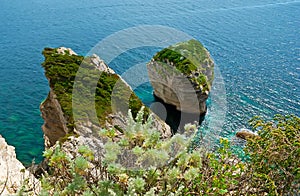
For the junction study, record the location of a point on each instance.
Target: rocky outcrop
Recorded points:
(182, 75)
(246, 134)
(57, 111)
(12, 171)
(64, 50)
(175, 89)
(100, 64)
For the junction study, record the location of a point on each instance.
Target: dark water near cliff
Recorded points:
(255, 44)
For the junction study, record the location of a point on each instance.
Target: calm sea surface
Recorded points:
(255, 44)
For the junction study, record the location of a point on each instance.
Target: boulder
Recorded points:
(245, 134)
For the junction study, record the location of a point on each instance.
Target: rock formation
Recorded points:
(12, 171)
(245, 134)
(61, 66)
(182, 75)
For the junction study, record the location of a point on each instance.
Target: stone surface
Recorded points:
(55, 124)
(12, 171)
(175, 89)
(64, 50)
(100, 64)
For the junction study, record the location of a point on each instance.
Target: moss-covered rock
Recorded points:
(61, 69)
(192, 59)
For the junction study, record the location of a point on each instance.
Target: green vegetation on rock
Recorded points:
(181, 63)
(191, 59)
(61, 70)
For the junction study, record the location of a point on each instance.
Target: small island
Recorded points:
(182, 75)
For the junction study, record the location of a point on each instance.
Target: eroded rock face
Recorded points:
(12, 171)
(182, 76)
(55, 124)
(100, 64)
(174, 88)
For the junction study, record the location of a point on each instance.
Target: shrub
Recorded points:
(140, 163)
(189, 57)
(275, 154)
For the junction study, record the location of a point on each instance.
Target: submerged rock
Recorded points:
(182, 75)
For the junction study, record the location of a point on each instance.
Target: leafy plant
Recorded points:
(140, 163)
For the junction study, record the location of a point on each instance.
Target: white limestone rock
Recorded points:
(13, 172)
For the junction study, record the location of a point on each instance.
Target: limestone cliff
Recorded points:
(62, 66)
(12, 171)
(182, 75)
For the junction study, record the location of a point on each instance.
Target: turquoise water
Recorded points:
(255, 44)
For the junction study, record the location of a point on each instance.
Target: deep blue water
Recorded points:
(255, 44)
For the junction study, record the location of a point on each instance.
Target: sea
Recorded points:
(255, 45)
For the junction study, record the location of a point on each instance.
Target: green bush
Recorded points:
(275, 154)
(140, 163)
(181, 63)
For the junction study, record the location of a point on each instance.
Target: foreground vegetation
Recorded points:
(172, 167)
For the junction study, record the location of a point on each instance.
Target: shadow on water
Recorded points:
(175, 118)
